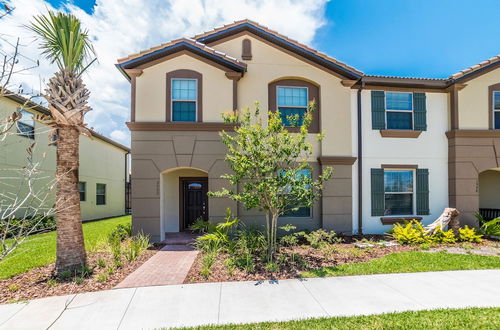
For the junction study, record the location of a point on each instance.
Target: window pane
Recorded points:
(184, 89)
(183, 111)
(497, 119)
(399, 120)
(100, 189)
(398, 181)
(398, 204)
(25, 130)
(496, 100)
(100, 200)
(82, 189)
(301, 212)
(398, 101)
(287, 116)
(292, 96)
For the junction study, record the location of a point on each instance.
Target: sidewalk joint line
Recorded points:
(20, 309)
(126, 309)
(315, 299)
(66, 304)
(220, 299)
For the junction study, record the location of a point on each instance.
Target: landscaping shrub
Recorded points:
(134, 246)
(467, 234)
(490, 228)
(289, 239)
(411, 232)
(201, 226)
(217, 239)
(120, 233)
(35, 224)
(319, 237)
(441, 236)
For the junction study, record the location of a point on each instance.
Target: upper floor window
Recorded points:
(398, 192)
(496, 110)
(399, 110)
(26, 125)
(184, 99)
(292, 105)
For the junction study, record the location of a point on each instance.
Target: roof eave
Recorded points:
(281, 42)
(406, 82)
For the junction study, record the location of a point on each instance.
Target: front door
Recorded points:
(193, 201)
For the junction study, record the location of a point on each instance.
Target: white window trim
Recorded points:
(105, 194)
(292, 106)
(414, 190)
(179, 100)
(493, 106)
(84, 191)
(404, 111)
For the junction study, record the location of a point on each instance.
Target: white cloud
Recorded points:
(122, 27)
(120, 136)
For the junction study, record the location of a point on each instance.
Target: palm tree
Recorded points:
(63, 42)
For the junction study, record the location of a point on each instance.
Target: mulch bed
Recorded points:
(40, 282)
(314, 259)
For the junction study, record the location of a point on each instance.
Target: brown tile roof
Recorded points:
(474, 68)
(275, 33)
(192, 42)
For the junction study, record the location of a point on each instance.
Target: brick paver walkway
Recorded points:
(170, 265)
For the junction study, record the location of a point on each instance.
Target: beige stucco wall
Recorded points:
(489, 189)
(473, 101)
(100, 162)
(269, 64)
(152, 84)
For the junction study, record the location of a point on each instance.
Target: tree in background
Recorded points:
(65, 43)
(270, 166)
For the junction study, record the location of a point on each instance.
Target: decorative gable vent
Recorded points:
(246, 53)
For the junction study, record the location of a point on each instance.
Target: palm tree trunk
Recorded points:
(70, 245)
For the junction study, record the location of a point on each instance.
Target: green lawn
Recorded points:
(40, 250)
(409, 262)
(470, 318)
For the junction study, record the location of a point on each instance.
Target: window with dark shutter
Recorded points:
(423, 191)
(378, 110)
(377, 186)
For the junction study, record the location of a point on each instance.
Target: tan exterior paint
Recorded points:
(269, 64)
(100, 162)
(473, 101)
(150, 100)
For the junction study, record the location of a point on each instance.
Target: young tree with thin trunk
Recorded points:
(65, 43)
(271, 170)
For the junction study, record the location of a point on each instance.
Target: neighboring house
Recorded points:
(102, 162)
(400, 147)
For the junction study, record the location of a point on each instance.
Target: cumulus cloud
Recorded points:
(122, 27)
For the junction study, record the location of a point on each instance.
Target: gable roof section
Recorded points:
(282, 41)
(476, 70)
(41, 109)
(191, 45)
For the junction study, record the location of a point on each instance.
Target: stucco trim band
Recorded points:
(336, 160)
(179, 126)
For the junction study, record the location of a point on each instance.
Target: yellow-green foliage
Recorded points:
(467, 234)
(441, 236)
(409, 233)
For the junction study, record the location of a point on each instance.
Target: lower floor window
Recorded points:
(301, 211)
(100, 191)
(82, 188)
(398, 192)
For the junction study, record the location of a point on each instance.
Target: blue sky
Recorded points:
(420, 38)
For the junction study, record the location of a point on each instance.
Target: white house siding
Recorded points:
(429, 151)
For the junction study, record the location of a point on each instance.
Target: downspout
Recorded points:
(127, 193)
(360, 162)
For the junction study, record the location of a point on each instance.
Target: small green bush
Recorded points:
(411, 232)
(78, 280)
(467, 234)
(101, 263)
(441, 236)
(52, 282)
(272, 267)
(490, 228)
(120, 233)
(319, 237)
(134, 246)
(217, 239)
(200, 225)
(102, 278)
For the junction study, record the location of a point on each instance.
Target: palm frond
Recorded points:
(63, 41)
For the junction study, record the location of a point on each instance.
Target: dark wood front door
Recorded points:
(193, 201)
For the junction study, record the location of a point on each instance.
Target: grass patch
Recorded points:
(469, 318)
(40, 250)
(409, 262)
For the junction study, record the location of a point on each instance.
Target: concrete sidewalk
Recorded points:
(243, 302)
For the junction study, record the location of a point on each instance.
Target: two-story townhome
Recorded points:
(385, 137)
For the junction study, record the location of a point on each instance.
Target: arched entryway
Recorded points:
(183, 198)
(489, 193)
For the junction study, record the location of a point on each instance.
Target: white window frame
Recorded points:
(180, 100)
(84, 191)
(32, 125)
(105, 194)
(292, 106)
(413, 192)
(493, 106)
(404, 111)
